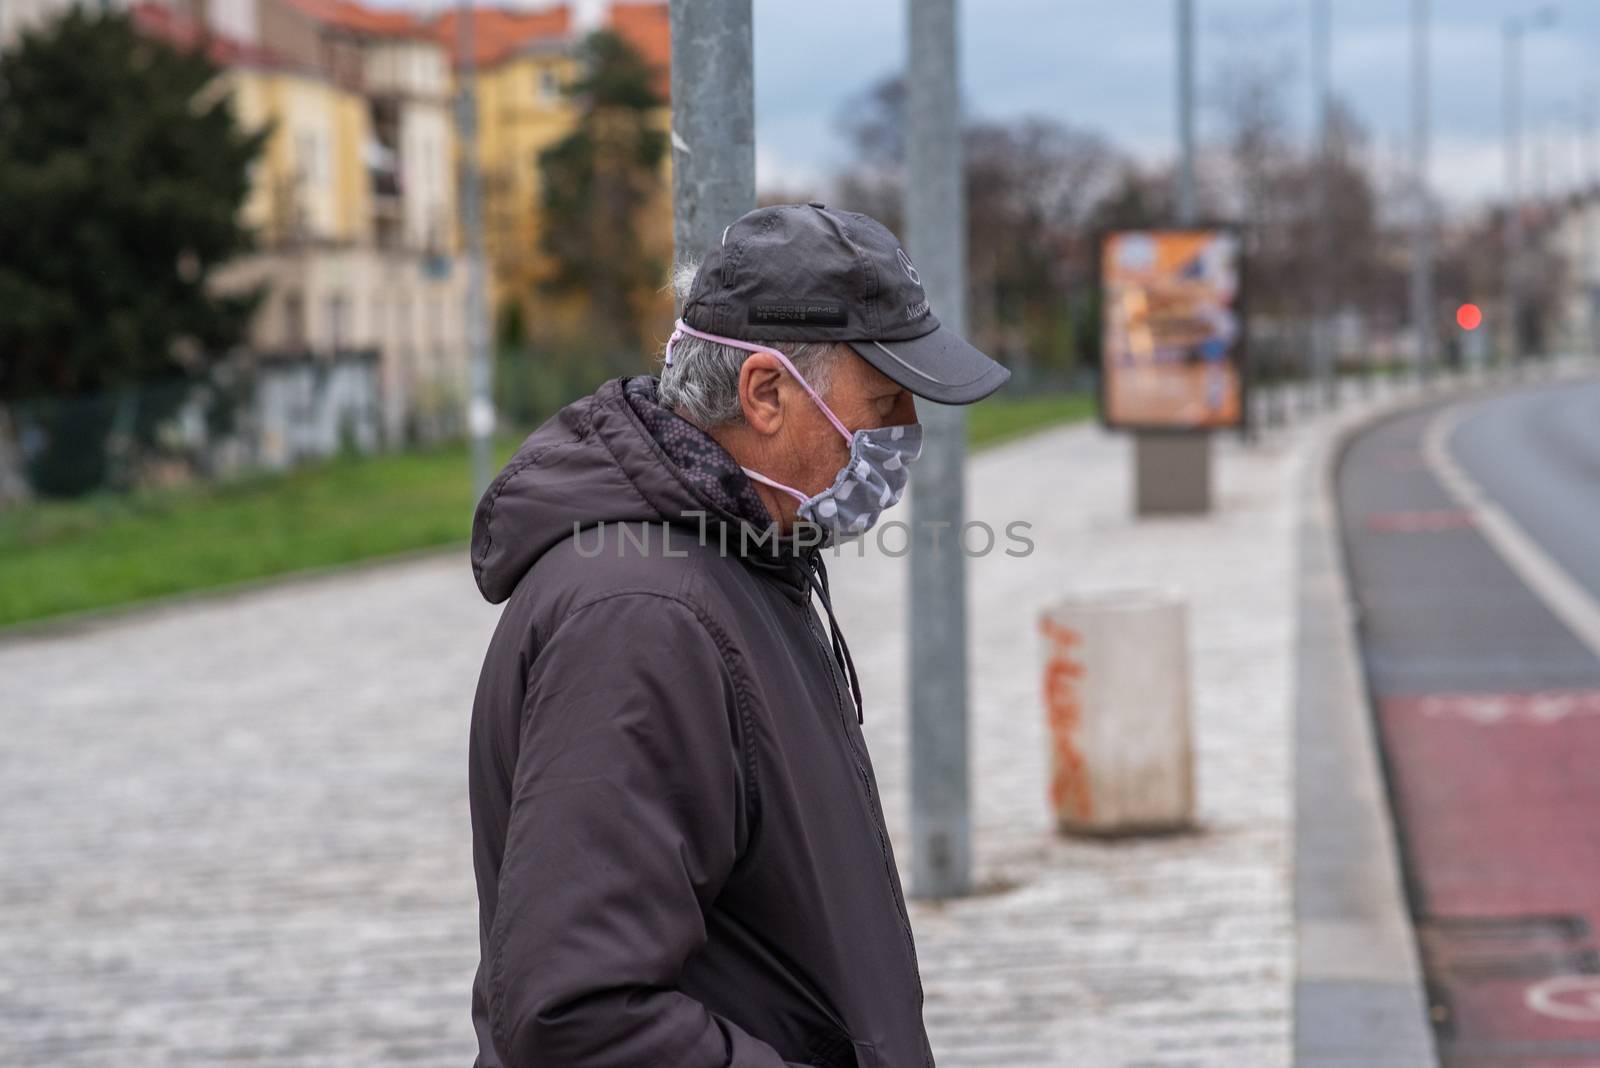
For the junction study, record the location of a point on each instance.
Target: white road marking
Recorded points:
(1542, 707)
(1560, 592)
(1567, 997)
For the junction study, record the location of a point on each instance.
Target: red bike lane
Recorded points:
(1488, 713)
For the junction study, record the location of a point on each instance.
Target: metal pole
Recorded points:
(480, 368)
(941, 858)
(1186, 112)
(1421, 222)
(1586, 207)
(1323, 369)
(1513, 221)
(1572, 114)
(1559, 126)
(1539, 134)
(713, 120)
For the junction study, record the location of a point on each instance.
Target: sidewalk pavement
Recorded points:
(235, 829)
(1168, 951)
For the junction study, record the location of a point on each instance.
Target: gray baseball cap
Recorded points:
(807, 273)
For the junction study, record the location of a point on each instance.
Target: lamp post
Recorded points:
(1323, 367)
(1570, 189)
(1586, 209)
(941, 801)
(1185, 28)
(713, 120)
(480, 371)
(1514, 30)
(1421, 222)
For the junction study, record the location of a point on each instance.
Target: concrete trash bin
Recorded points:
(1116, 694)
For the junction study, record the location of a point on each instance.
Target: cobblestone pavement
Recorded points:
(234, 831)
(1163, 951)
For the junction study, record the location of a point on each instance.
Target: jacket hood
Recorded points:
(597, 461)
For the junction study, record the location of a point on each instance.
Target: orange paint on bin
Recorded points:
(1057, 633)
(1069, 782)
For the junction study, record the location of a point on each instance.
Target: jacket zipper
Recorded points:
(872, 798)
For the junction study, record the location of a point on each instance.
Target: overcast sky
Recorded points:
(1107, 65)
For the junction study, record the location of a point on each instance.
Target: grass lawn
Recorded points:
(59, 557)
(1000, 419)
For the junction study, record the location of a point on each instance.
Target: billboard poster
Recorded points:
(1172, 351)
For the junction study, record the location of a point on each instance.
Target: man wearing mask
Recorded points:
(677, 835)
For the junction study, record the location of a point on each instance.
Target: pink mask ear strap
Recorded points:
(790, 490)
(681, 327)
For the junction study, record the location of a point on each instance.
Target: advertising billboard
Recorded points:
(1172, 338)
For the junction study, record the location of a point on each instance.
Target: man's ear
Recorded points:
(760, 392)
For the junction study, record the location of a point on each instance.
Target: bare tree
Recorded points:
(873, 123)
(1261, 183)
(1314, 237)
(1032, 185)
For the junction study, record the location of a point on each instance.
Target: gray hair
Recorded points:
(702, 383)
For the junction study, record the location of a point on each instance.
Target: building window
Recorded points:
(402, 324)
(338, 321)
(294, 321)
(549, 85)
(310, 157)
(380, 322)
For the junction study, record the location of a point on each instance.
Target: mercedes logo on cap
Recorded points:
(905, 262)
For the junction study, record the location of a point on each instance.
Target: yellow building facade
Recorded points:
(523, 110)
(353, 202)
(525, 62)
(310, 182)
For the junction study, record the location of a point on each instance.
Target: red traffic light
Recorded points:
(1469, 316)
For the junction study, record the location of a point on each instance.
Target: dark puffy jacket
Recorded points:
(679, 847)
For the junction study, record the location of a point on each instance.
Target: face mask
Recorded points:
(872, 480)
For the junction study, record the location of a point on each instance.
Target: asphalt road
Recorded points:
(1472, 534)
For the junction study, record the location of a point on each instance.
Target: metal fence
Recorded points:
(261, 413)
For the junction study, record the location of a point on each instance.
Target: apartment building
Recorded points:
(524, 62)
(354, 199)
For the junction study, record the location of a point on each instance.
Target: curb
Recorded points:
(1358, 991)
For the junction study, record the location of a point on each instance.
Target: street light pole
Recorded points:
(1323, 368)
(941, 850)
(1538, 135)
(713, 120)
(480, 404)
(1421, 223)
(1185, 29)
(1513, 219)
(1586, 208)
(1515, 30)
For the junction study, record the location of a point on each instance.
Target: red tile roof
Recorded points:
(360, 19)
(500, 32)
(178, 29)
